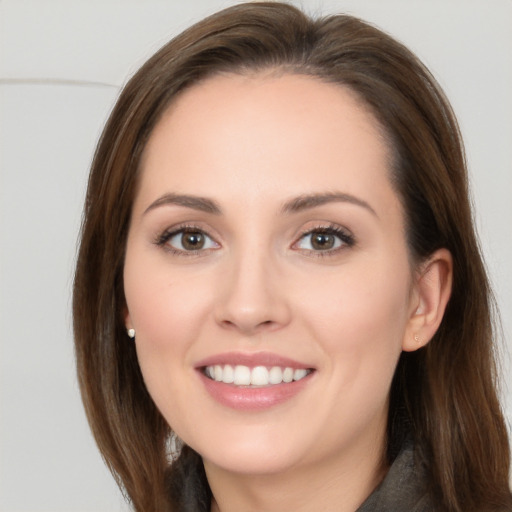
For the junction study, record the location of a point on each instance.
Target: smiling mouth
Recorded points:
(258, 376)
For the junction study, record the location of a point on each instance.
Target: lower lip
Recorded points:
(253, 399)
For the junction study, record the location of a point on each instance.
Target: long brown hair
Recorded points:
(443, 395)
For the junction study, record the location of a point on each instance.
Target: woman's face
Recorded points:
(266, 245)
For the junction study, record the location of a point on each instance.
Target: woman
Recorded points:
(279, 299)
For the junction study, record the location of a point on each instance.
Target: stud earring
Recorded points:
(131, 333)
(417, 338)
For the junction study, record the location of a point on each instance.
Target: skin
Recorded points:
(252, 144)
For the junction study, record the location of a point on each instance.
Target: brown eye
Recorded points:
(322, 241)
(192, 241)
(188, 240)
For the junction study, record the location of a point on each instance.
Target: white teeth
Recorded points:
(299, 374)
(275, 375)
(288, 375)
(242, 375)
(228, 375)
(259, 376)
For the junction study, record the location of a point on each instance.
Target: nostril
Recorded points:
(247, 326)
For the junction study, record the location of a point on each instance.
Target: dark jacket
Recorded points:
(403, 489)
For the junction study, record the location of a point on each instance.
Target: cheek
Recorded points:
(167, 312)
(163, 305)
(360, 319)
(167, 309)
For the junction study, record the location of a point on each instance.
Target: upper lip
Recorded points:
(252, 360)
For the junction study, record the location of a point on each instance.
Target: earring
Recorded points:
(131, 333)
(417, 338)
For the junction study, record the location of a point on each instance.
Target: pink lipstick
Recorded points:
(253, 381)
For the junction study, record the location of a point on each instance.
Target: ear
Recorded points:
(431, 291)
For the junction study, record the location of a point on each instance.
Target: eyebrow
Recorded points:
(295, 205)
(308, 201)
(202, 204)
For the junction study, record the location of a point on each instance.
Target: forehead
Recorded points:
(299, 131)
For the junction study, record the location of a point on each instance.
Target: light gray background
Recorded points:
(61, 64)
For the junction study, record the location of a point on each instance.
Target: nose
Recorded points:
(253, 295)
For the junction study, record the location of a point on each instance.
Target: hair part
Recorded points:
(444, 395)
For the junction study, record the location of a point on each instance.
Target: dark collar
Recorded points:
(403, 489)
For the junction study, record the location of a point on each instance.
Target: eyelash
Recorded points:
(346, 238)
(168, 234)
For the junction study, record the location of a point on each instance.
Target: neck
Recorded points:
(335, 485)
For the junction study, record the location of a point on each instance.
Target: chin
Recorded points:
(249, 454)
(251, 462)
